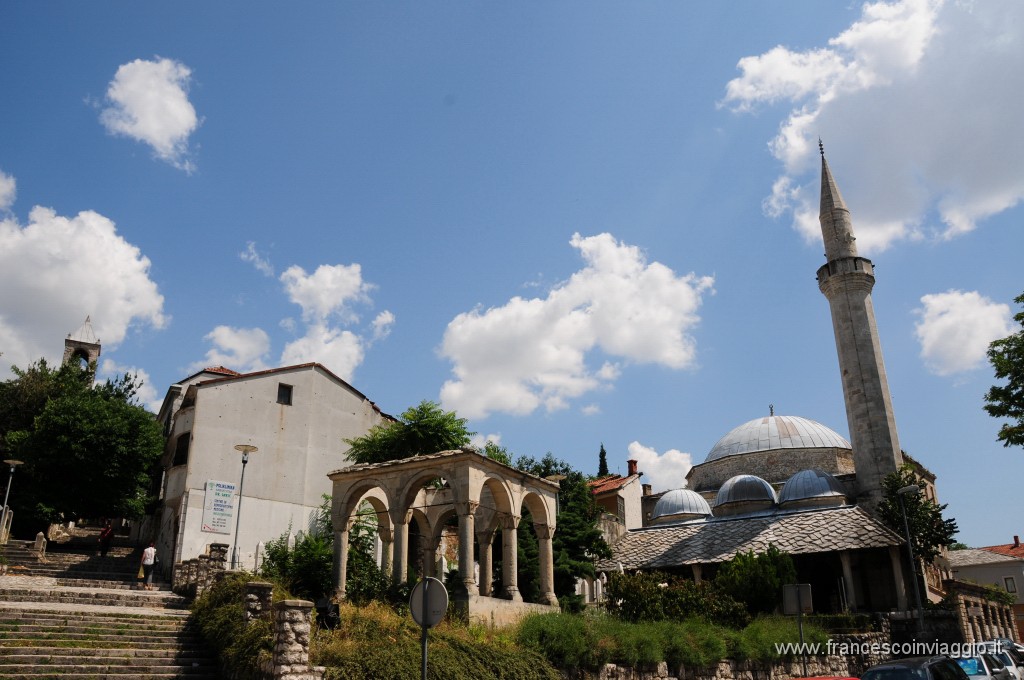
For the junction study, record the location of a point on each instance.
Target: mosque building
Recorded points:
(793, 482)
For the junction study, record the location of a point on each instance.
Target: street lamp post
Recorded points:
(10, 477)
(246, 449)
(912, 489)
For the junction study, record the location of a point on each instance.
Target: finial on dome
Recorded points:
(771, 409)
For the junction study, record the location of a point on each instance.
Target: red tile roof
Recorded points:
(1015, 549)
(609, 483)
(221, 370)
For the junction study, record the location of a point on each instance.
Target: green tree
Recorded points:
(756, 580)
(422, 429)
(602, 462)
(929, 531)
(498, 453)
(89, 450)
(578, 541)
(1007, 401)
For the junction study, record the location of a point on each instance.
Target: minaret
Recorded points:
(82, 345)
(846, 280)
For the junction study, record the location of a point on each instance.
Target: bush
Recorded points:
(219, 614)
(757, 642)
(376, 643)
(757, 580)
(656, 597)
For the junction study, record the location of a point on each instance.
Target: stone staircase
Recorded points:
(73, 614)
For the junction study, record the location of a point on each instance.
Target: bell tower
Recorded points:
(846, 281)
(82, 345)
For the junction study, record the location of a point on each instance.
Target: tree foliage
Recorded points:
(422, 429)
(89, 450)
(929, 532)
(756, 580)
(654, 596)
(1007, 401)
(578, 541)
(602, 462)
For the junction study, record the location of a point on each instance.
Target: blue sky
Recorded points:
(574, 223)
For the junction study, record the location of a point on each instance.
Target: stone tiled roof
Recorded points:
(1015, 549)
(973, 556)
(717, 540)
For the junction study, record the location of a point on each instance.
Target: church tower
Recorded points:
(82, 345)
(846, 280)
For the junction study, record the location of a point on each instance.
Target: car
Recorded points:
(917, 668)
(1010, 657)
(1007, 643)
(985, 665)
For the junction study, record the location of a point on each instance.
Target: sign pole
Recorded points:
(423, 635)
(800, 625)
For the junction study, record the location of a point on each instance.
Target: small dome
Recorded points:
(744, 493)
(680, 504)
(812, 487)
(776, 432)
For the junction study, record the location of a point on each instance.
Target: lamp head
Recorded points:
(246, 449)
(911, 489)
(13, 463)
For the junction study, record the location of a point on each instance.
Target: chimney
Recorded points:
(632, 466)
(1016, 541)
(646, 488)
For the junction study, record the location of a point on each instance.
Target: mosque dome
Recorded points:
(744, 493)
(776, 432)
(680, 504)
(811, 488)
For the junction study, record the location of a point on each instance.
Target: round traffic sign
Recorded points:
(428, 602)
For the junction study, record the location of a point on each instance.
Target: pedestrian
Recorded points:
(148, 561)
(106, 537)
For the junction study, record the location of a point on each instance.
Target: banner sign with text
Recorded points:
(219, 508)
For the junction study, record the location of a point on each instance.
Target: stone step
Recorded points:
(86, 596)
(88, 619)
(14, 671)
(44, 673)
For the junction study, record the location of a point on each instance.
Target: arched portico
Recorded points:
(484, 494)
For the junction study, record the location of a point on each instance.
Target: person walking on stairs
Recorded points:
(106, 537)
(148, 560)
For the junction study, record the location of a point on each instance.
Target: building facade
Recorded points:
(298, 417)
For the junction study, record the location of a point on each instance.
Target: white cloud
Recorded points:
(8, 190)
(532, 353)
(146, 395)
(917, 102)
(339, 350)
(330, 290)
(240, 349)
(261, 263)
(327, 298)
(148, 102)
(478, 441)
(591, 410)
(956, 327)
(54, 271)
(662, 471)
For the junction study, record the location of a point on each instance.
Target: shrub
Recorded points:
(376, 643)
(756, 580)
(219, 614)
(758, 641)
(655, 597)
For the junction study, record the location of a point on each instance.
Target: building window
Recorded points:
(181, 449)
(1011, 585)
(621, 507)
(284, 394)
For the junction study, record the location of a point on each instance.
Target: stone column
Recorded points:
(851, 589)
(484, 539)
(257, 596)
(219, 556)
(545, 533)
(292, 623)
(400, 550)
(897, 575)
(698, 572)
(387, 542)
(465, 511)
(510, 557)
(340, 562)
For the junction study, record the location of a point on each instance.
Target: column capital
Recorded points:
(399, 516)
(463, 508)
(508, 521)
(544, 531)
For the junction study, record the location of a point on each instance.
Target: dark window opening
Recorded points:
(284, 394)
(181, 449)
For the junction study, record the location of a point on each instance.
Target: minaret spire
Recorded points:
(847, 280)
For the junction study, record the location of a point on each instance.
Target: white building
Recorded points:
(297, 416)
